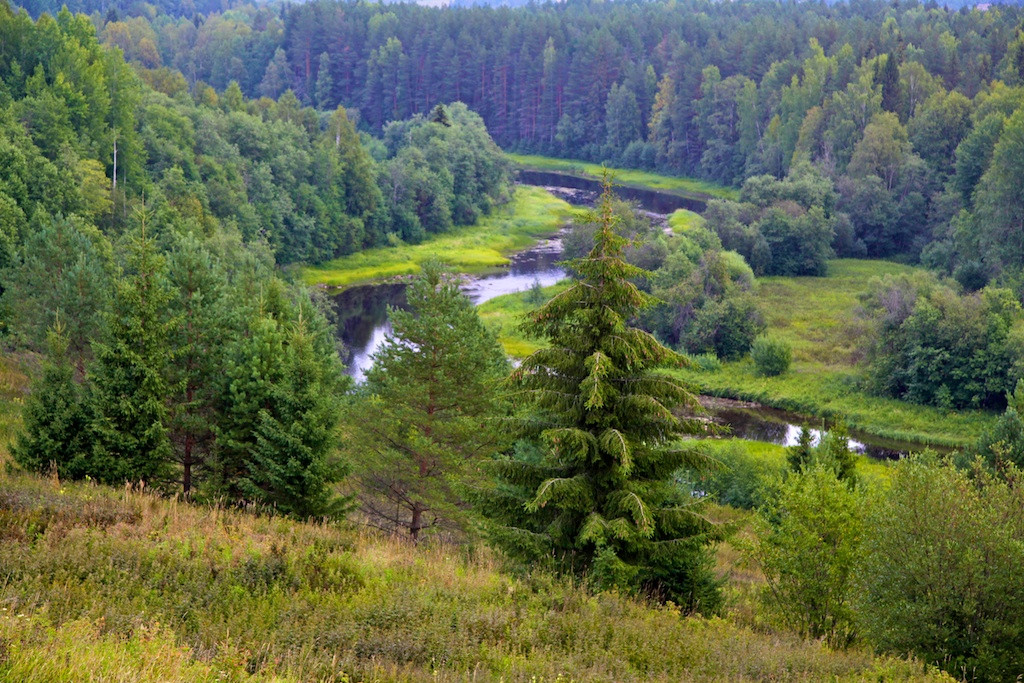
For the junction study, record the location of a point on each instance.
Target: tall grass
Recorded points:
(111, 585)
(13, 388)
(625, 176)
(532, 213)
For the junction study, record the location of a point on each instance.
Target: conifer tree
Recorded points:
(440, 115)
(889, 79)
(324, 83)
(598, 496)
(292, 462)
(800, 454)
(128, 390)
(426, 420)
(277, 429)
(55, 418)
(198, 283)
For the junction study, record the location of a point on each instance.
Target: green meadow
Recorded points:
(818, 317)
(532, 213)
(624, 176)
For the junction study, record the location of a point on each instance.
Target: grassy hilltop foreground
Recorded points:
(101, 584)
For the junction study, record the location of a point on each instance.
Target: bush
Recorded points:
(705, 362)
(935, 347)
(771, 356)
(808, 542)
(940, 571)
(743, 477)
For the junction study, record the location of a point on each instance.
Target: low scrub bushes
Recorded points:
(771, 356)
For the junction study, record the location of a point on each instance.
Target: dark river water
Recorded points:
(761, 423)
(363, 311)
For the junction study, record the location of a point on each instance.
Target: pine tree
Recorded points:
(598, 494)
(128, 390)
(440, 115)
(889, 79)
(55, 418)
(324, 83)
(252, 368)
(799, 456)
(427, 418)
(292, 462)
(197, 339)
(277, 423)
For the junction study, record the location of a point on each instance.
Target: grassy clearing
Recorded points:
(532, 213)
(817, 316)
(628, 176)
(103, 584)
(503, 315)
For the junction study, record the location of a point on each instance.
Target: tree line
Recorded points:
(908, 109)
(84, 134)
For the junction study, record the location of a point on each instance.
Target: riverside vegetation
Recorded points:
(194, 489)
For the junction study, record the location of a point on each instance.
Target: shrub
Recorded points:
(743, 477)
(940, 571)
(705, 362)
(809, 536)
(771, 356)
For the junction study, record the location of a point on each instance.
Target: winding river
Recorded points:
(362, 314)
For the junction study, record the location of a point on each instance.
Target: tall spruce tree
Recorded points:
(597, 493)
(128, 389)
(56, 421)
(426, 421)
(324, 83)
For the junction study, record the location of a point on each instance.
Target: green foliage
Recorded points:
(199, 286)
(56, 421)
(127, 382)
(64, 266)
(807, 548)
(744, 476)
(1002, 446)
(596, 496)
(939, 348)
(276, 426)
(940, 570)
(780, 227)
(429, 413)
(771, 356)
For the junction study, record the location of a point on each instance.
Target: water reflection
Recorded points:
(783, 428)
(363, 311)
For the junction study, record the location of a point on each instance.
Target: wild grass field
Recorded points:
(105, 584)
(532, 213)
(624, 176)
(817, 317)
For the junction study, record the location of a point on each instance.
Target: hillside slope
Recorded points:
(110, 585)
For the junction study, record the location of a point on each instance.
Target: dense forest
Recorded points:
(904, 107)
(193, 479)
